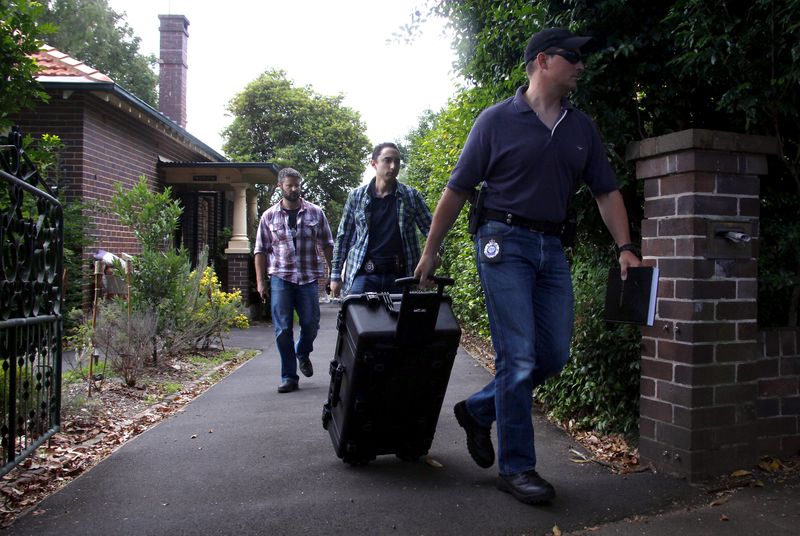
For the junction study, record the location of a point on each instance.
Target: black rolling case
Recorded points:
(390, 371)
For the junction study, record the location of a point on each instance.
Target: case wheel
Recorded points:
(356, 461)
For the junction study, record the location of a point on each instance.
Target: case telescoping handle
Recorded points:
(338, 374)
(441, 282)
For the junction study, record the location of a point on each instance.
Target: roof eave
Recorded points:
(82, 85)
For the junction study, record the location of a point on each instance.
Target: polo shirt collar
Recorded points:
(521, 105)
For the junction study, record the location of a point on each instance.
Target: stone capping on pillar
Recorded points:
(712, 140)
(699, 369)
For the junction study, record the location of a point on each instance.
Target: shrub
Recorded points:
(81, 341)
(127, 339)
(599, 387)
(219, 311)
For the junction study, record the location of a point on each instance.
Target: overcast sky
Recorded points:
(336, 46)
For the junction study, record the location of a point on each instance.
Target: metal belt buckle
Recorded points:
(369, 267)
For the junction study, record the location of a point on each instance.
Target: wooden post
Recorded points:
(98, 275)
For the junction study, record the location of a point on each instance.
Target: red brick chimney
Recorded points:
(173, 67)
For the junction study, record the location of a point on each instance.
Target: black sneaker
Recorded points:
(527, 487)
(479, 439)
(304, 363)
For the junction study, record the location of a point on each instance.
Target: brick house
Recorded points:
(112, 136)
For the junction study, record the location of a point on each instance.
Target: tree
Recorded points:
(294, 126)
(19, 38)
(92, 32)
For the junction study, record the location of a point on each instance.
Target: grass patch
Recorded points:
(171, 387)
(77, 375)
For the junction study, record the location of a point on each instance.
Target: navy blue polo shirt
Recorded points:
(530, 171)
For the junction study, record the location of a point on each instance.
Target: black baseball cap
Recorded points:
(557, 38)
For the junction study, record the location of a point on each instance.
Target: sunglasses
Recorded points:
(572, 56)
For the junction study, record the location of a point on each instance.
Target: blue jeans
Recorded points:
(529, 302)
(374, 283)
(286, 298)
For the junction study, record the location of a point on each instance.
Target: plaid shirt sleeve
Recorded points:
(344, 237)
(263, 237)
(422, 214)
(325, 238)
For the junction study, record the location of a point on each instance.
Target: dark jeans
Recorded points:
(286, 298)
(529, 302)
(364, 282)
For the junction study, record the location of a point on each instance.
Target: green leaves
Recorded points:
(20, 36)
(152, 216)
(294, 126)
(92, 32)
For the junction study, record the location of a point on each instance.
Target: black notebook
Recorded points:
(632, 301)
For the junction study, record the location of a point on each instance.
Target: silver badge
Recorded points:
(369, 267)
(491, 249)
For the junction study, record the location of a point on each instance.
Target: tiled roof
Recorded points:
(55, 64)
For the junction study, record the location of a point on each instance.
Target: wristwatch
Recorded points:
(629, 247)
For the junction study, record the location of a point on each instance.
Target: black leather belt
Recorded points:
(391, 267)
(545, 227)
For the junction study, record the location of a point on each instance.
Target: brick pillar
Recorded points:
(239, 274)
(699, 360)
(173, 67)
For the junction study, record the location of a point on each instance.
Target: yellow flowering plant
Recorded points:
(218, 310)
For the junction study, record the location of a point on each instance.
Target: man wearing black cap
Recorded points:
(531, 150)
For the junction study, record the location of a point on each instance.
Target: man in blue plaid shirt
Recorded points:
(377, 234)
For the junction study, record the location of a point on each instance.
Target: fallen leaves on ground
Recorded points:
(612, 451)
(769, 469)
(114, 414)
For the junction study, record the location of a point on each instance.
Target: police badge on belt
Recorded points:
(491, 248)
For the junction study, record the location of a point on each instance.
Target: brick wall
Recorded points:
(103, 145)
(173, 67)
(239, 270)
(778, 400)
(700, 365)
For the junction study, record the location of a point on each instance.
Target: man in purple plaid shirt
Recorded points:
(290, 235)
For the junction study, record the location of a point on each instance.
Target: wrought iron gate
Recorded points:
(32, 237)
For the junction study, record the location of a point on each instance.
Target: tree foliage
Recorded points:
(20, 37)
(92, 32)
(273, 120)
